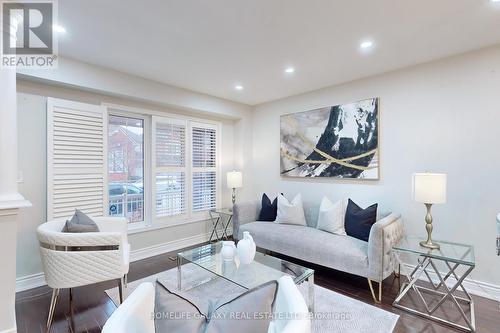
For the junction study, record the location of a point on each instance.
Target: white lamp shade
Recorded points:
(429, 187)
(234, 179)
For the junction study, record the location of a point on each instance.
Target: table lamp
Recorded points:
(234, 181)
(429, 188)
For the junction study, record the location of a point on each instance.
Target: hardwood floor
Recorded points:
(91, 306)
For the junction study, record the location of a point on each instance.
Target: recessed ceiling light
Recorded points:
(495, 0)
(289, 70)
(58, 28)
(238, 87)
(367, 44)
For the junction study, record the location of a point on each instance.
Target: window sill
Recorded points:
(142, 227)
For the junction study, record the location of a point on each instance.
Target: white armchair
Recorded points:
(72, 260)
(135, 314)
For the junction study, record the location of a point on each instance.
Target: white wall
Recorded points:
(32, 163)
(442, 116)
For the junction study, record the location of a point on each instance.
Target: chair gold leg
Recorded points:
(53, 302)
(120, 290)
(375, 299)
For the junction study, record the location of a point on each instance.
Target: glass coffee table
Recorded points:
(263, 269)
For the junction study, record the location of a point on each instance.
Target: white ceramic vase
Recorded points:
(246, 248)
(228, 250)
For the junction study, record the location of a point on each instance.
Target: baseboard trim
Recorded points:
(38, 280)
(474, 287)
(29, 282)
(10, 330)
(158, 249)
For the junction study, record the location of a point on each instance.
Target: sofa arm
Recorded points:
(384, 234)
(136, 314)
(291, 314)
(244, 212)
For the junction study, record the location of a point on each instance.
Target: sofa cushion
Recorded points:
(331, 217)
(268, 209)
(174, 312)
(359, 221)
(343, 253)
(249, 312)
(80, 222)
(290, 212)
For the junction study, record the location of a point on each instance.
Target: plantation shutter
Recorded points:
(204, 167)
(76, 158)
(170, 167)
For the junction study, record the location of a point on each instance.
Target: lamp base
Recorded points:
(428, 226)
(430, 245)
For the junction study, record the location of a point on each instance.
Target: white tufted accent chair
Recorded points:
(72, 260)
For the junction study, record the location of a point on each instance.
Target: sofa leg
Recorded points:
(375, 299)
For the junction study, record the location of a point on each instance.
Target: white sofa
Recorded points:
(135, 314)
(373, 260)
(71, 260)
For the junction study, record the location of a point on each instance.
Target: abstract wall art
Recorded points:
(339, 141)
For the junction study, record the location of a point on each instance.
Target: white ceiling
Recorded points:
(210, 46)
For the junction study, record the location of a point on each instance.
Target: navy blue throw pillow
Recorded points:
(359, 221)
(268, 210)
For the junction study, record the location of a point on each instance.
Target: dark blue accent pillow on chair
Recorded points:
(268, 210)
(359, 221)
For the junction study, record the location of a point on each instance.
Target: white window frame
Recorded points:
(171, 220)
(218, 189)
(151, 222)
(123, 112)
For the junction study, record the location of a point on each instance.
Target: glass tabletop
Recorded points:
(448, 251)
(263, 269)
(226, 211)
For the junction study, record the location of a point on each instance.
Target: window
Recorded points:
(204, 143)
(126, 167)
(185, 153)
(171, 168)
(155, 171)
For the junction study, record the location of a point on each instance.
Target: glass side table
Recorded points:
(439, 275)
(220, 218)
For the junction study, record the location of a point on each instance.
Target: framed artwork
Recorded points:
(339, 141)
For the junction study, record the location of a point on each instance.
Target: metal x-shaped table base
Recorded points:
(216, 218)
(423, 267)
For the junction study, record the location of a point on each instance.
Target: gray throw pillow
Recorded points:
(248, 313)
(175, 313)
(80, 223)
